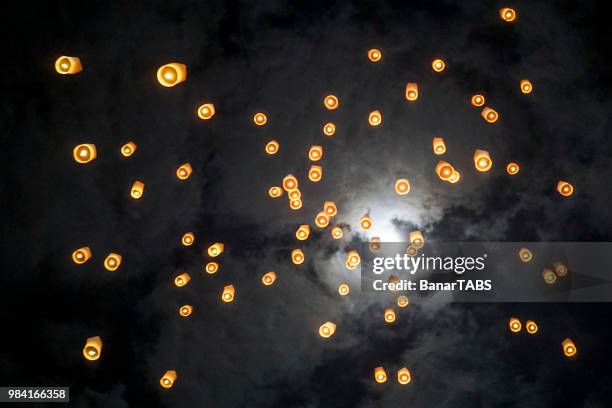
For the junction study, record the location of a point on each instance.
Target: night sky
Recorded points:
(282, 58)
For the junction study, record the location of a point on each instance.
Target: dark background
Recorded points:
(282, 58)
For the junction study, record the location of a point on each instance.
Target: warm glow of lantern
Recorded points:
(411, 250)
(402, 186)
(93, 348)
(188, 238)
(560, 269)
(275, 192)
(322, 219)
(549, 276)
(128, 149)
(260, 119)
(329, 129)
(228, 293)
(507, 14)
(439, 147)
(344, 289)
(303, 232)
(512, 168)
(272, 147)
(315, 173)
(295, 204)
(374, 244)
(331, 102)
(531, 327)
(112, 261)
(182, 279)
(84, 153)
(137, 190)
(297, 256)
(438, 65)
(525, 255)
(526, 86)
(444, 170)
(269, 278)
(184, 171)
(211, 267)
(416, 239)
(403, 376)
(402, 301)
(352, 259)
(490, 115)
(336, 233)
(68, 65)
(330, 208)
(215, 249)
(290, 182)
(81, 255)
(478, 100)
(482, 160)
(172, 74)
(565, 188)
(168, 379)
(515, 325)
(569, 348)
(327, 329)
(455, 177)
(365, 223)
(375, 118)
(185, 310)
(315, 153)
(380, 375)
(374, 55)
(206, 111)
(412, 91)
(389, 315)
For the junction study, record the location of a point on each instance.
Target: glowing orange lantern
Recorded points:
(482, 160)
(403, 376)
(375, 118)
(185, 310)
(84, 153)
(168, 379)
(327, 330)
(269, 278)
(560, 269)
(260, 119)
(315, 153)
(295, 204)
(526, 86)
(272, 147)
(275, 192)
(137, 190)
(412, 91)
(515, 325)
(303, 232)
(329, 129)
(490, 115)
(182, 279)
(81, 255)
(68, 65)
(228, 293)
(365, 223)
(128, 149)
(438, 65)
(402, 301)
(215, 249)
(565, 188)
(297, 256)
(549, 276)
(380, 375)
(569, 348)
(331, 102)
(455, 177)
(290, 183)
(322, 219)
(171, 74)
(184, 171)
(444, 170)
(416, 239)
(294, 195)
(438, 145)
(374, 244)
(507, 14)
(93, 348)
(389, 315)
(206, 111)
(211, 267)
(336, 233)
(374, 55)
(330, 208)
(402, 186)
(112, 261)
(531, 327)
(315, 173)
(477, 100)
(525, 255)
(352, 259)
(344, 289)
(188, 238)
(512, 168)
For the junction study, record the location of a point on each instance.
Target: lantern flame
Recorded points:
(171, 74)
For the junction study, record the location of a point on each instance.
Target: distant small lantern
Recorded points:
(482, 160)
(272, 147)
(403, 376)
(322, 219)
(260, 119)
(411, 250)
(182, 279)
(374, 55)
(93, 348)
(84, 153)
(295, 204)
(444, 170)
(531, 327)
(412, 91)
(365, 223)
(525, 255)
(65, 65)
(290, 182)
(172, 74)
(215, 249)
(188, 238)
(211, 267)
(389, 315)
(438, 65)
(168, 379)
(206, 111)
(380, 375)
(416, 239)
(315, 173)
(477, 100)
(303, 232)
(228, 293)
(275, 192)
(374, 244)
(297, 256)
(315, 153)
(402, 186)
(329, 129)
(269, 278)
(81, 255)
(512, 168)
(549, 276)
(112, 261)
(507, 14)
(455, 177)
(526, 86)
(185, 310)
(569, 348)
(515, 325)
(565, 188)
(184, 171)
(439, 147)
(344, 289)
(327, 330)
(352, 259)
(490, 115)
(402, 301)
(336, 233)
(295, 194)
(375, 118)
(330, 208)
(128, 149)
(331, 102)
(560, 269)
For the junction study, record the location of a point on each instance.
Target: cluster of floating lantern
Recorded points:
(559, 270)
(111, 262)
(403, 375)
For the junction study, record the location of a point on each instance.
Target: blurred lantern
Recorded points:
(549, 276)
(182, 279)
(211, 267)
(84, 153)
(228, 293)
(315, 153)
(402, 301)
(315, 173)
(269, 278)
(512, 168)
(416, 239)
(560, 269)
(490, 115)
(393, 279)
(389, 315)
(438, 65)
(297, 256)
(336, 233)
(128, 149)
(374, 244)
(81, 255)
(294, 195)
(374, 55)
(327, 329)
(411, 250)
(444, 170)
(302, 232)
(352, 259)
(112, 261)
(531, 327)
(365, 223)
(507, 14)
(526, 86)
(68, 65)
(331, 102)
(260, 119)
(185, 310)
(290, 182)
(569, 348)
(172, 74)
(455, 177)
(168, 379)
(93, 348)
(375, 118)
(438, 145)
(330, 208)
(412, 91)
(272, 147)
(329, 129)
(343, 289)
(565, 188)
(403, 376)
(478, 100)
(184, 171)
(380, 375)
(215, 249)
(322, 220)
(525, 255)
(482, 160)
(402, 186)
(188, 238)
(515, 325)
(295, 204)
(206, 111)
(275, 192)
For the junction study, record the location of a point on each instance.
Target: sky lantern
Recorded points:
(315, 173)
(531, 327)
(168, 379)
(329, 129)
(187, 239)
(172, 74)
(526, 86)
(374, 244)
(331, 102)
(322, 219)
(93, 348)
(565, 188)
(444, 170)
(380, 375)
(515, 325)
(295, 204)
(137, 190)
(297, 256)
(112, 261)
(438, 65)
(374, 55)
(416, 239)
(185, 310)
(184, 171)
(525, 255)
(211, 267)
(403, 376)
(512, 168)
(128, 149)
(84, 153)
(393, 279)
(352, 259)
(477, 100)
(303, 232)
(375, 118)
(315, 153)
(455, 177)
(336, 233)
(275, 192)
(389, 315)
(507, 14)
(260, 119)
(206, 111)
(295, 194)
(182, 279)
(65, 65)
(569, 348)
(268, 278)
(81, 255)
(411, 250)
(402, 301)
(490, 115)
(228, 293)
(344, 289)
(272, 147)
(290, 182)
(327, 330)
(439, 147)
(330, 208)
(560, 269)
(215, 249)
(549, 276)
(402, 186)
(365, 223)
(482, 160)
(412, 91)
